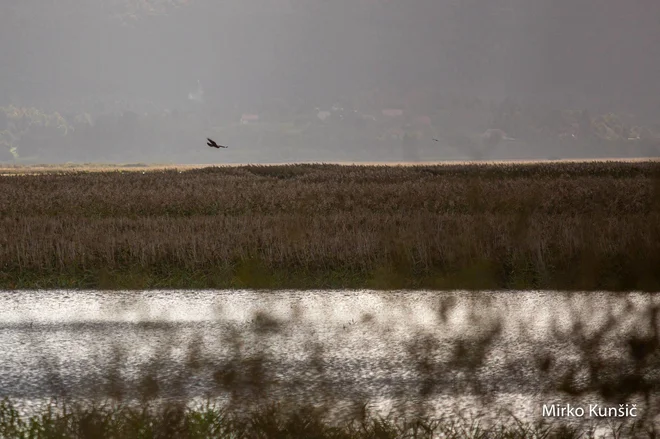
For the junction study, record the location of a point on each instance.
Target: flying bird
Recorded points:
(212, 144)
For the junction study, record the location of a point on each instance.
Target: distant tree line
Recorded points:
(28, 133)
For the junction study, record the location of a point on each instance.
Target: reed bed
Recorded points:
(587, 226)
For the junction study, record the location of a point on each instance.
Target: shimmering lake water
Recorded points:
(494, 353)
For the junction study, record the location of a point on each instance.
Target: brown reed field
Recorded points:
(568, 226)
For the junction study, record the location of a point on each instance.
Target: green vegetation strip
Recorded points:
(570, 226)
(119, 421)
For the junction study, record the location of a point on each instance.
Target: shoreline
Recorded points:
(6, 170)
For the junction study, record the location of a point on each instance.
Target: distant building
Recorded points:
(249, 118)
(197, 95)
(422, 121)
(395, 133)
(392, 112)
(323, 115)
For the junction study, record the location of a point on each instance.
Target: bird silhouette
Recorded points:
(212, 144)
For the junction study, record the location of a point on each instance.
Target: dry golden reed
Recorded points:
(562, 225)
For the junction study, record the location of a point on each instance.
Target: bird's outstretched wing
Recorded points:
(212, 144)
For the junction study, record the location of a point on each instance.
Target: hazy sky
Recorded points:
(266, 55)
(313, 50)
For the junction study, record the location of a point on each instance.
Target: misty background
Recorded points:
(305, 80)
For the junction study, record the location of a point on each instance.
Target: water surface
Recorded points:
(406, 350)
